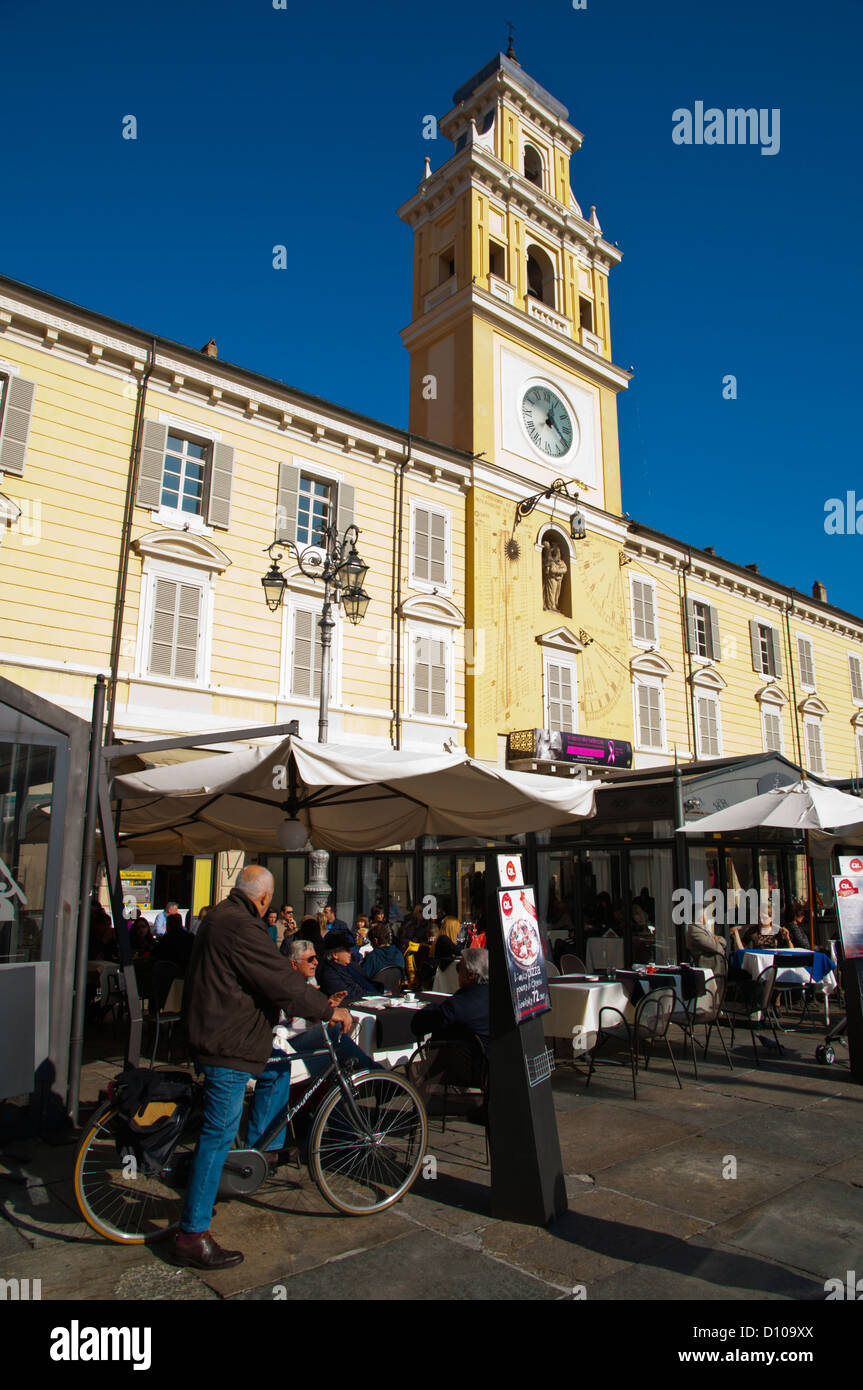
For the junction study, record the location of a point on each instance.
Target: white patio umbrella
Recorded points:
(343, 798)
(803, 805)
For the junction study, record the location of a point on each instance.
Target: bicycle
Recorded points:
(367, 1143)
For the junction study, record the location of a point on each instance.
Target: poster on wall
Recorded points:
(137, 887)
(525, 959)
(509, 870)
(851, 864)
(848, 890)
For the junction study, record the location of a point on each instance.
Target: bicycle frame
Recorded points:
(285, 1117)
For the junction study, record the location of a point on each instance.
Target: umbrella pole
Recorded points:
(810, 879)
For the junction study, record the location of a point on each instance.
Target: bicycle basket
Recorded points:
(155, 1106)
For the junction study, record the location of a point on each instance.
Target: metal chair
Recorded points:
(753, 1005)
(787, 989)
(652, 1017)
(162, 976)
(390, 977)
(551, 970)
(448, 1063)
(704, 1010)
(572, 965)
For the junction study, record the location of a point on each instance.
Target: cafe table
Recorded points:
(822, 974)
(575, 1008)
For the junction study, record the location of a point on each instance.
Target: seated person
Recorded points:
(701, 942)
(445, 945)
(383, 952)
(338, 974)
(141, 938)
(176, 945)
(271, 922)
(797, 928)
(361, 932)
(456, 1020)
(763, 934)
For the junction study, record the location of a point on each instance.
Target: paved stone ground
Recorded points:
(651, 1215)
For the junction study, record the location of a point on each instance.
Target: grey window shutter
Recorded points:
(221, 478)
(345, 505)
(152, 465)
(422, 675)
(162, 639)
(691, 636)
(856, 668)
(643, 611)
(421, 543)
(437, 549)
(776, 648)
(755, 640)
(186, 632)
(286, 506)
(715, 641)
(15, 425)
(438, 680)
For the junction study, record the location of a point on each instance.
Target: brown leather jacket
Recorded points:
(236, 982)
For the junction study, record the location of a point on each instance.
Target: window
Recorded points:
(708, 731)
(533, 165)
(446, 265)
(650, 714)
(585, 313)
(175, 629)
(540, 276)
(430, 546)
(702, 629)
(644, 625)
(429, 675)
(306, 653)
(497, 260)
(183, 475)
(855, 665)
(771, 728)
(186, 474)
(814, 745)
(561, 699)
(806, 662)
(766, 653)
(314, 510)
(16, 411)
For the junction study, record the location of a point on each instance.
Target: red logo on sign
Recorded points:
(510, 870)
(506, 903)
(846, 887)
(856, 865)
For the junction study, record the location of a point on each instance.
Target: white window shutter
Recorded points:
(715, 640)
(422, 675)
(186, 632)
(814, 747)
(772, 732)
(856, 667)
(162, 639)
(345, 508)
(755, 642)
(438, 680)
(806, 662)
(306, 655)
(643, 611)
(561, 714)
(174, 640)
(286, 504)
(708, 726)
(15, 424)
(437, 549)
(422, 543)
(776, 648)
(649, 716)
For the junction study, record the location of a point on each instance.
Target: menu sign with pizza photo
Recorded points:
(525, 958)
(848, 889)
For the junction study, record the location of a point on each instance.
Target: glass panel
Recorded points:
(401, 878)
(437, 880)
(471, 888)
(26, 798)
(346, 888)
(372, 887)
(651, 879)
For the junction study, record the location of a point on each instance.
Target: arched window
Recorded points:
(540, 276)
(533, 165)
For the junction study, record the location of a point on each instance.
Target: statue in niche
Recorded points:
(554, 569)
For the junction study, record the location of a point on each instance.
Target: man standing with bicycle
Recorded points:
(236, 983)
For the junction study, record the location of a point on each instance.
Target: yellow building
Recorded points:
(645, 639)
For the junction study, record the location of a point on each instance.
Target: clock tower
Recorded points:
(510, 351)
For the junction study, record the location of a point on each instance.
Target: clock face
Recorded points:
(547, 422)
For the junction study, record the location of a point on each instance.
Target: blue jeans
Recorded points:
(224, 1092)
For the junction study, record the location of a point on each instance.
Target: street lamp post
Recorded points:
(338, 564)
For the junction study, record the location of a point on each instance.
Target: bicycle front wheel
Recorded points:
(123, 1204)
(367, 1169)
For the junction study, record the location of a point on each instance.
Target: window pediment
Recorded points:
(650, 664)
(771, 695)
(812, 705)
(708, 678)
(857, 719)
(562, 640)
(182, 546)
(432, 608)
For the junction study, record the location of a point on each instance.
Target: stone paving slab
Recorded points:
(706, 1271)
(85, 1270)
(850, 1170)
(420, 1265)
(816, 1227)
(813, 1135)
(601, 1233)
(687, 1176)
(591, 1140)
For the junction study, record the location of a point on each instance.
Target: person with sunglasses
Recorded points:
(297, 1035)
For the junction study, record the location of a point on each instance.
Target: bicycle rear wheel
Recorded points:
(361, 1171)
(120, 1202)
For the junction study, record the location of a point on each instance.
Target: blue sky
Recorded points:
(304, 127)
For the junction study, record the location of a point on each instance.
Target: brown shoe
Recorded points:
(202, 1252)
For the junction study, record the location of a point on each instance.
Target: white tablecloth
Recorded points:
(575, 1010)
(756, 961)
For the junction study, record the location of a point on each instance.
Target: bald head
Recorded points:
(258, 885)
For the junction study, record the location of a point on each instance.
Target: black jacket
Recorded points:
(462, 1013)
(236, 982)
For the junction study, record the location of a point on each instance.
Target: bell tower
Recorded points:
(510, 338)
